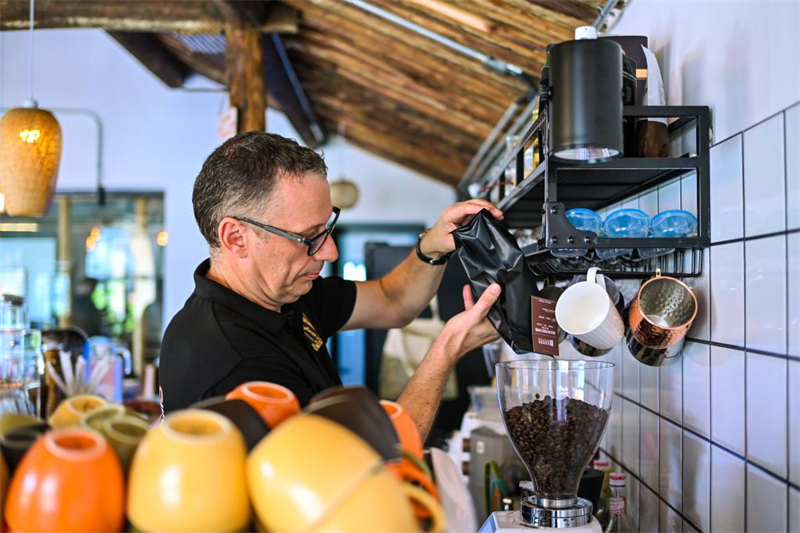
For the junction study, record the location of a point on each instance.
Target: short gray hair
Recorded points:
(240, 175)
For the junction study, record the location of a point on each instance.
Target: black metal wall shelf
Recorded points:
(542, 198)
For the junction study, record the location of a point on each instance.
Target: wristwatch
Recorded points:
(425, 259)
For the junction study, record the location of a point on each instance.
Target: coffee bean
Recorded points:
(556, 438)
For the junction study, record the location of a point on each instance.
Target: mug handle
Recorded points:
(409, 473)
(592, 276)
(422, 498)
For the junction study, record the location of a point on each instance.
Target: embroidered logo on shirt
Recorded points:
(311, 334)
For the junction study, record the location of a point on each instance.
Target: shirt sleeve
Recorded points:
(333, 300)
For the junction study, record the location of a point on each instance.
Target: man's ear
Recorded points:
(232, 237)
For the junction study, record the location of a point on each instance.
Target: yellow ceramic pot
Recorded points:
(299, 472)
(94, 419)
(9, 421)
(124, 434)
(73, 409)
(382, 504)
(188, 474)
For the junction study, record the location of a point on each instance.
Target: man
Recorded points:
(261, 311)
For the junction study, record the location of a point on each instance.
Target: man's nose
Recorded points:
(328, 252)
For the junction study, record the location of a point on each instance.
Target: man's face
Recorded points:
(282, 268)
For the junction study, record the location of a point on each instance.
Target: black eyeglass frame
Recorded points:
(316, 240)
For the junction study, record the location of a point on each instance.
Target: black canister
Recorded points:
(585, 100)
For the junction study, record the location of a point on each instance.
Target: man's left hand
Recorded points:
(438, 240)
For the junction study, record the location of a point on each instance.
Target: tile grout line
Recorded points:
(744, 333)
(722, 447)
(643, 483)
(758, 237)
(786, 318)
(743, 349)
(762, 121)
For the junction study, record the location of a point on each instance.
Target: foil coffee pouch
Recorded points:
(489, 254)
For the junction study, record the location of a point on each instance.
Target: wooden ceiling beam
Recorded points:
(244, 62)
(452, 99)
(500, 44)
(370, 26)
(486, 90)
(148, 50)
(396, 88)
(152, 16)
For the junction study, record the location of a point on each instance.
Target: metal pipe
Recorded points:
(607, 9)
(95, 118)
(489, 62)
(509, 112)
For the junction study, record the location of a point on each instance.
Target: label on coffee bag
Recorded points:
(544, 326)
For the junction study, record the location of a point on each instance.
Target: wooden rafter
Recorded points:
(149, 16)
(151, 53)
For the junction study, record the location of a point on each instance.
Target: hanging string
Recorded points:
(30, 58)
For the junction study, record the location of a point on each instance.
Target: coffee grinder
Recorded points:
(555, 413)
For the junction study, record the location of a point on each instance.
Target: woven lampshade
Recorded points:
(344, 193)
(30, 152)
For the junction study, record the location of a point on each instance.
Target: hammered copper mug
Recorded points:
(662, 312)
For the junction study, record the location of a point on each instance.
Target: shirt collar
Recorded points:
(271, 321)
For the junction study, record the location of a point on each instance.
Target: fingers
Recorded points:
(469, 300)
(487, 299)
(458, 212)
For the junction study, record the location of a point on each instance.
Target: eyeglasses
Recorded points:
(314, 243)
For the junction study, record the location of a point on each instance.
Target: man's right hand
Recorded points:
(470, 329)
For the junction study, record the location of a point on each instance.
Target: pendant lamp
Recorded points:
(344, 193)
(30, 153)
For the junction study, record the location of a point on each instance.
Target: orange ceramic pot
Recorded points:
(3, 491)
(405, 427)
(70, 480)
(273, 402)
(188, 474)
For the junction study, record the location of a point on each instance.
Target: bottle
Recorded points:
(618, 505)
(602, 513)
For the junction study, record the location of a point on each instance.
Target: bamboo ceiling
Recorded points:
(400, 95)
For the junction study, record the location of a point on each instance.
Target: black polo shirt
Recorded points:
(221, 339)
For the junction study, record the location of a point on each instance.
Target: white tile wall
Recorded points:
(696, 390)
(727, 202)
(793, 167)
(671, 461)
(793, 284)
(648, 379)
(794, 422)
(649, 510)
(649, 203)
(717, 430)
(727, 491)
(630, 436)
(630, 375)
(727, 294)
(727, 398)
(766, 412)
(764, 178)
(689, 193)
(766, 502)
(670, 520)
(671, 382)
(697, 480)
(765, 285)
(669, 196)
(648, 447)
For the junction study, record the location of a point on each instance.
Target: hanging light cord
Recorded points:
(30, 61)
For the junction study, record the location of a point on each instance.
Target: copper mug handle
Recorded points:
(662, 312)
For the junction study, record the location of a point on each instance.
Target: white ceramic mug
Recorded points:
(586, 311)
